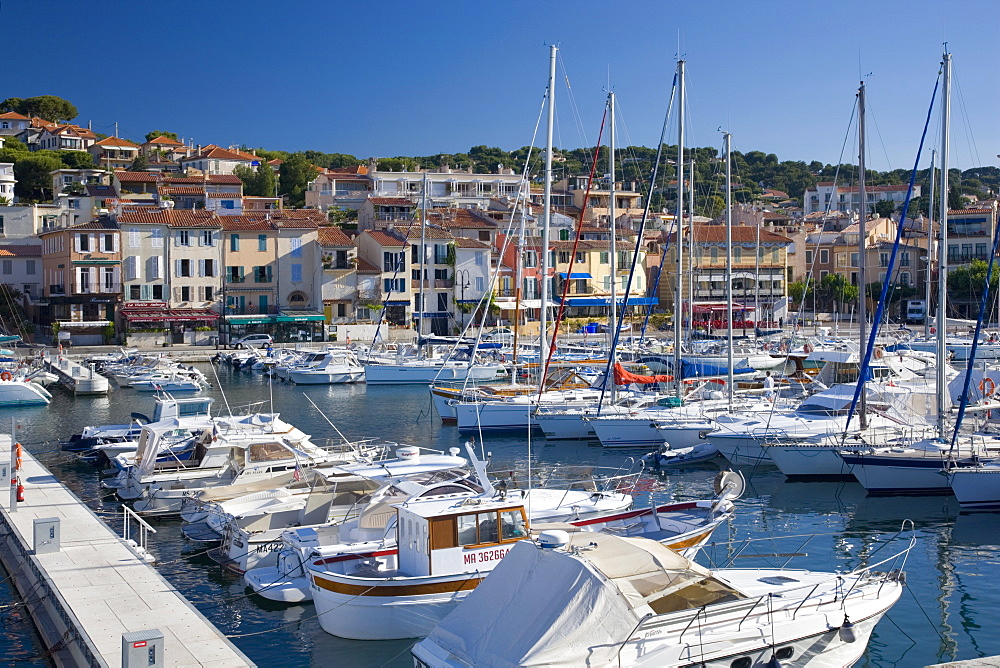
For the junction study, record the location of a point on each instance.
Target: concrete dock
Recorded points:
(76, 377)
(85, 596)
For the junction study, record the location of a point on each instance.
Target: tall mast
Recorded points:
(862, 247)
(729, 265)
(519, 274)
(423, 258)
(679, 245)
(691, 240)
(547, 214)
(612, 319)
(930, 247)
(942, 321)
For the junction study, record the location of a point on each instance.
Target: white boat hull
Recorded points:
(627, 432)
(976, 488)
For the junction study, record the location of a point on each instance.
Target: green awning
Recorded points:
(301, 316)
(83, 262)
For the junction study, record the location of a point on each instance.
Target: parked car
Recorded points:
(253, 341)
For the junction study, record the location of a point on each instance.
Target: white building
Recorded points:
(824, 196)
(447, 187)
(217, 160)
(7, 182)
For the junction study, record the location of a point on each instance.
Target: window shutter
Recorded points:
(115, 242)
(146, 292)
(201, 267)
(76, 243)
(93, 242)
(177, 267)
(79, 279)
(94, 277)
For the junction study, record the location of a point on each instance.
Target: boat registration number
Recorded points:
(485, 556)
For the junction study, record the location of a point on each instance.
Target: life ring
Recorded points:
(6, 375)
(987, 387)
(807, 349)
(879, 353)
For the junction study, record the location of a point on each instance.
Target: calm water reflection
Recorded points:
(942, 616)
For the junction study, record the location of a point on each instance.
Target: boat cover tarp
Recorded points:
(581, 607)
(695, 370)
(984, 384)
(625, 377)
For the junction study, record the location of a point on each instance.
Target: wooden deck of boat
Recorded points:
(85, 596)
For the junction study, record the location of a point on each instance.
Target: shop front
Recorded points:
(177, 325)
(286, 327)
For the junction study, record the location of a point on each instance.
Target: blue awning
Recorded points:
(605, 301)
(574, 275)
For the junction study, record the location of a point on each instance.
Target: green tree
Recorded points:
(884, 209)
(834, 289)
(16, 145)
(294, 178)
(49, 107)
(139, 164)
(34, 183)
(798, 291)
(247, 176)
(11, 104)
(150, 136)
(75, 159)
(265, 181)
(713, 206)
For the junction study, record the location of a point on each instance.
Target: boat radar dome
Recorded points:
(553, 539)
(408, 453)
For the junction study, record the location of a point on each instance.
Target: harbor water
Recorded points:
(943, 614)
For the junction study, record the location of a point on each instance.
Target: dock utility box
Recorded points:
(46, 535)
(142, 648)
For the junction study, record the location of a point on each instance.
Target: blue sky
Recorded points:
(407, 78)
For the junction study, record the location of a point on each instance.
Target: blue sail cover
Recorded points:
(692, 370)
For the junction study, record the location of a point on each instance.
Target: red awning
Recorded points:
(169, 315)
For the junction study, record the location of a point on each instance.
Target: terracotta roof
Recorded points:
(465, 242)
(276, 161)
(463, 218)
(959, 212)
(163, 139)
(357, 169)
(385, 239)
(181, 190)
(168, 217)
(391, 201)
(213, 152)
(225, 178)
(333, 236)
(14, 116)
(137, 177)
(220, 195)
(21, 250)
(76, 130)
(741, 234)
(366, 267)
(429, 232)
(245, 224)
(116, 141)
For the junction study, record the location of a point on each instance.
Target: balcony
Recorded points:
(57, 289)
(104, 289)
(235, 280)
(370, 296)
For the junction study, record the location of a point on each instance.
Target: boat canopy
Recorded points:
(584, 605)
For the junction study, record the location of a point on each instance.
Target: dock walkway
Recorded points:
(94, 589)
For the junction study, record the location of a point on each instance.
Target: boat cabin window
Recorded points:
(268, 452)
(480, 528)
